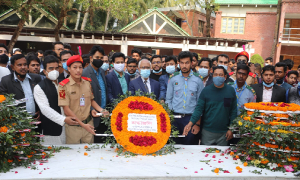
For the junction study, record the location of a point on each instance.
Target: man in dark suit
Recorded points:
(97, 75)
(267, 91)
(117, 80)
(144, 83)
(21, 84)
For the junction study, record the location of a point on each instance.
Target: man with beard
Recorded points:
(268, 91)
(280, 71)
(131, 69)
(195, 61)
(21, 84)
(157, 70)
(183, 93)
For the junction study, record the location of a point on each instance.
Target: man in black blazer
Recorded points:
(97, 75)
(267, 91)
(117, 80)
(21, 84)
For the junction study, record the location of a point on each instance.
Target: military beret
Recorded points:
(72, 59)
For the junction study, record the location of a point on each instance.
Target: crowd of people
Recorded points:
(69, 93)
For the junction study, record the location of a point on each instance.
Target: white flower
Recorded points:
(272, 165)
(239, 162)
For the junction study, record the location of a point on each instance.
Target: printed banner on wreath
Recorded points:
(142, 122)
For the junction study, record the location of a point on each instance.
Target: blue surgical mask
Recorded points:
(224, 66)
(157, 71)
(268, 85)
(105, 66)
(145, 73)
(131, 74)
(178, 66)
(65, 66)
(203, 72)
(218, 81)
(170, 69)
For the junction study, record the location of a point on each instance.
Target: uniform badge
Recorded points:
(176, 83)
(192, 94)
(62, 94)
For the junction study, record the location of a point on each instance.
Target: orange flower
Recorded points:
(216, 170)
(239, 169)
(122, 135)
(23, 134)
(29, 156)
(3, 129)
(2, 98)
(85, 147)
(264, 161)
(44, 153)
(217, 151)
(49, 147)
(237, 157)
(231, 153)
(14, 124)
(85, 154)
(10, 160)
(245, 164)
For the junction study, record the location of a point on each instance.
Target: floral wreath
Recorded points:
(140, 142)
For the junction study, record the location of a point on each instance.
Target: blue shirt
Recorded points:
(183, 92)
(163, 83)
(122, 81)
(243, 95)
(102, 87)
(286, 86)
(30, 105)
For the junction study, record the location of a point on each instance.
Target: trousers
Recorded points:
(190, 139)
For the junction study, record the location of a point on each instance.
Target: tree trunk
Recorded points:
(85, 18)
(276, 28)
(208, 15)
(78, 17)
(59, 24)
(20, 26)
(106, 21)
(65, 20)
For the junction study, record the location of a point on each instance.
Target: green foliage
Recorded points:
(256, 58)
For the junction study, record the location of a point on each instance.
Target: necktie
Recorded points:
(145, 82)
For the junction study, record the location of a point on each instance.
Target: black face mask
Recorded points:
(97, 63)
(20, 75)
(280, 81)
(4, 59)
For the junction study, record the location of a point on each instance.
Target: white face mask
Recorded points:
(53, 75)
(119, 67)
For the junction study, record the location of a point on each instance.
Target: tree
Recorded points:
(186, 7)
(24, 9)
(256, 58)
(209, 6)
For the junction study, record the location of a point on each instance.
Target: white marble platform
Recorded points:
(104, 164)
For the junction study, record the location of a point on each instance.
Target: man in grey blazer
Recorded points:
(97, 75)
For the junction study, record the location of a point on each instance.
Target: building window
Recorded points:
(201, 27)
(233, 25)
(178, 21)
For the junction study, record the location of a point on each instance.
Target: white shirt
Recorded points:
(267, 94)
(148, 83)
(43, 103)
(4, 72)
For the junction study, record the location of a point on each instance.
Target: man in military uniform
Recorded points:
(243, 58)
(76, 98)
(244, 93)
(183, 92)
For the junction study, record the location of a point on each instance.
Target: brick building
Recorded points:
(256, 20)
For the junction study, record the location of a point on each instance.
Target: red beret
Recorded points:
(76, 58)
(243, 53)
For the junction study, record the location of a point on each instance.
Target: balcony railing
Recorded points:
(290, 35)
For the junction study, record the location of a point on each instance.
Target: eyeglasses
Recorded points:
(158, 62)
(145, 67)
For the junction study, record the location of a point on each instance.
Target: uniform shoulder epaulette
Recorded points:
(174, 74)
(251, 89)
(198, 75)
(230, 83)
(252, 74)
(86, 78)
(231, 73)
(64, 82)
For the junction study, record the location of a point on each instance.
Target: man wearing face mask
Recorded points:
(157, 70)
(205, 65)
(105, 65)
(132, 68)
(218, 107)
(183, 92)
(144, 83)
(268, 91)
(96, 72)
(64, 56)
(171, 63)
(118, 80)
(46, 96)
